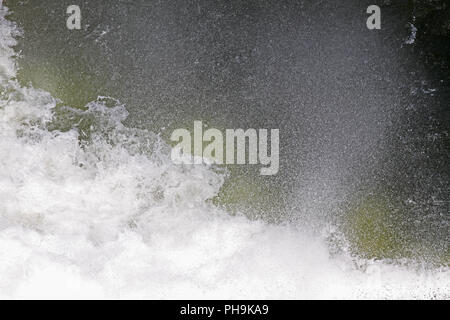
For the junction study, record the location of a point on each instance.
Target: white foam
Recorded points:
(116, 220)
(412, 37)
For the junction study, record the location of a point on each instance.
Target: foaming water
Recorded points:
(99, 210)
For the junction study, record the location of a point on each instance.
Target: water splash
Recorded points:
(97, 210)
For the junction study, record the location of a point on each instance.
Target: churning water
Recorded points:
(91, 204)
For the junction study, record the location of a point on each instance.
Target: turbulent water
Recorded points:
(99, 210)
